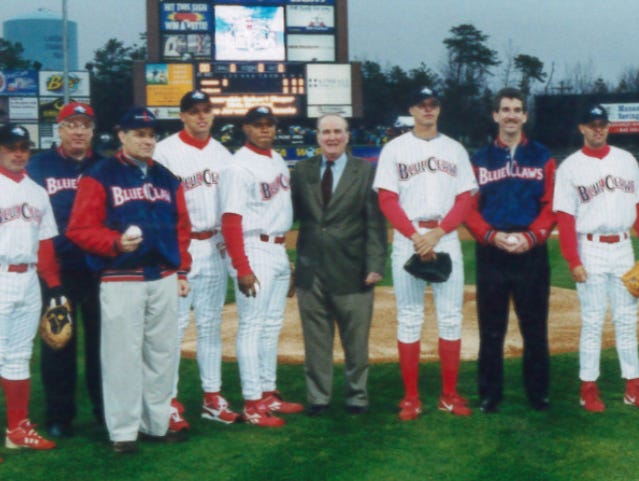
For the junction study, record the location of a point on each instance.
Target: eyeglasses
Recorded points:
(82, 126)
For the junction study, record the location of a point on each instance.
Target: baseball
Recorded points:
(511, 239)
(133, 231)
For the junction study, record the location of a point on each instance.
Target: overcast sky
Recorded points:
(602, 35)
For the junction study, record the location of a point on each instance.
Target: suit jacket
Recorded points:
(344, 242)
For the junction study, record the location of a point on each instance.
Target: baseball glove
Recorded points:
(56, 325)
(631, 280)
(437, 269)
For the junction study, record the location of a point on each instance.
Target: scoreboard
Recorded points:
(236, 87)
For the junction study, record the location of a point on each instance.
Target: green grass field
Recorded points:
(564, 443)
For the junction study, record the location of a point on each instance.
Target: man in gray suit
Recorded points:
(341, 254)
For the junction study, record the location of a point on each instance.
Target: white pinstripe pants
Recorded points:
(409, 291)
(260, 317)
(605, 263)
(208, 280)
(20, 306)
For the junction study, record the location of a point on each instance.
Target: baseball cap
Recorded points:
(421, 94)
(259, 113)
(592, 113)
(75, 108)
(137, 118)
(192, 98)
(12, 133)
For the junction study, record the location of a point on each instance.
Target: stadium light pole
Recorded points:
(65, 52)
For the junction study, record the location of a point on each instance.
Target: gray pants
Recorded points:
(320, 311)
(138, 355)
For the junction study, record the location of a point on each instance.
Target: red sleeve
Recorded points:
(481, 230)
(389, 205)
(86, 225)
(542, 226)
(183, 233)
(234, 240)
(636, 226)
(459, 211)
(568, 239)
(48, 267)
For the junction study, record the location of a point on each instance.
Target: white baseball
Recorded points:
(511, 239)
(133, 231)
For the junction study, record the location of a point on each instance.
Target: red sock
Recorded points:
(409, 366)
(17, 398)
(449, 354)
(209, 397)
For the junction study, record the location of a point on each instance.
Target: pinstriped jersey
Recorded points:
(601, 194)
(199, 171)
(426, 174)
(257, 187)
(26, 218)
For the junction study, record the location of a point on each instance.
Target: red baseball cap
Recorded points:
(75, 108)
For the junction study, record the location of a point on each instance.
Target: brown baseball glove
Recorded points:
(56, 325)
(631, 280)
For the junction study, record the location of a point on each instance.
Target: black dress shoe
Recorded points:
(125, 447)
(60, 430)
(169, 438)
(356, 409)
(316, 409)
(489, 406)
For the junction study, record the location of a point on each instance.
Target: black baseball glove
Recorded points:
(56, 325)
(437, 269)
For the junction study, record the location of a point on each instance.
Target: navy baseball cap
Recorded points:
(137, 118)
(13, 133)
(593, 113)
(192, 98)
(259, 113)
(421, 94)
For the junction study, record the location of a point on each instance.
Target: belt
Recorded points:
(16, 268)
(607, 239)
(428, 224)
(207, 234)
(274, 239)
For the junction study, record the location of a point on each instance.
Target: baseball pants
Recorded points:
(20, 307)
(605, 264)
(208, 281)
(138, 355)
(261, 317)
(526, 278)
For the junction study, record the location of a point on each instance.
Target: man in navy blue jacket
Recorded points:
(58, 171)
(130, 217)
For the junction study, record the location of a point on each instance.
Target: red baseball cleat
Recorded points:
(24, 436)
(590, 399)
(216, 408)
(631, 396)
(454, 404)
(257, 413)
(409, 409)
(274, 402)
(176, 420)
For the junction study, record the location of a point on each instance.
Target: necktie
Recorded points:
(327, 183)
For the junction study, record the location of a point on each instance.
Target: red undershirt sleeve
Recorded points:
(459, 211)
(234, 240)
(568, 239)
(48, 267)
(389, 205)
(183, 233)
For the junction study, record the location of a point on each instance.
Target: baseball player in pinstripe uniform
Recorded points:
(130, 216)
(27, 226)
(58, 170)
(597, 200)
(197, 160)
(511, 220)
(424, 182)
(257, 212)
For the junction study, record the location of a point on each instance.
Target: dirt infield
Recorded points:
(563, 325)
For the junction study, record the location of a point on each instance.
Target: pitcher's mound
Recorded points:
(563, 328)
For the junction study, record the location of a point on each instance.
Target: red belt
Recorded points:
(607, 239)
(274, 239)
(428, 224)
(17, 268)
(207, 234)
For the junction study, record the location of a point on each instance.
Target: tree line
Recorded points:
(471, 74)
